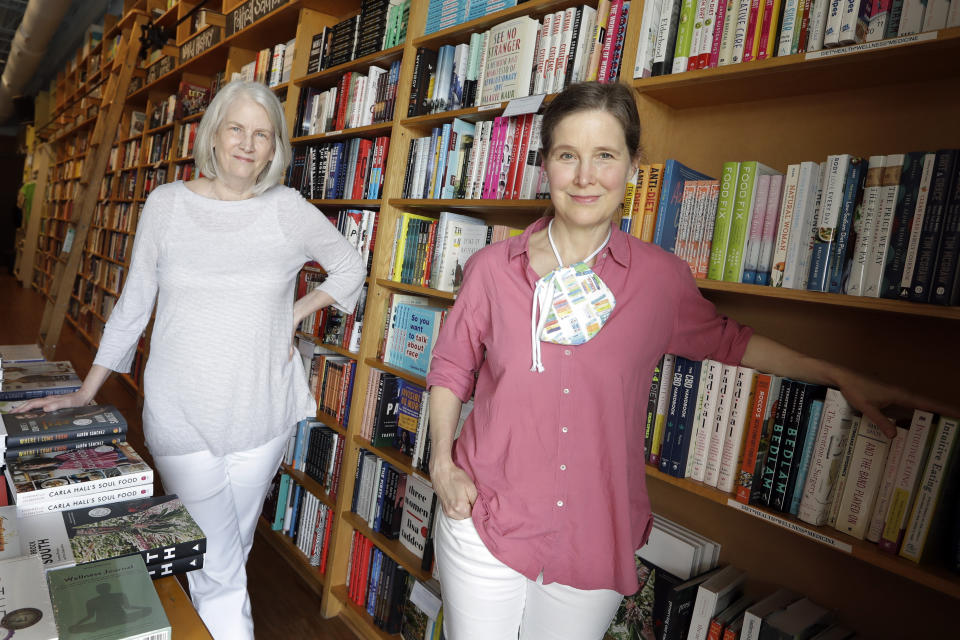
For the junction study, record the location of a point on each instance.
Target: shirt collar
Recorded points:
(618, 246)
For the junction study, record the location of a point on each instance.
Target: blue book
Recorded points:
(444, 144)
(852, 190)
(281, 502)
(671, 196)
(813, 424)
(686, 418)
(673, 413)
(462, 131)
(376, 559)
(294, 508)
(418, 333)
(381, 490)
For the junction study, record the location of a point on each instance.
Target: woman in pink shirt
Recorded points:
(544, 498)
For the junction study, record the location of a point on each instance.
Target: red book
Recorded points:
(609, 40)
(713, 58)
(764, 51)
(338, 458)
(804, 27)
(716, 630)
(519, 159)
(343, 92)
(755, 14)
(752, 436)
(431, 239)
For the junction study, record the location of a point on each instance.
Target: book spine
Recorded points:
(932, 229)
(721, 226)
(852, 192)
(85, 500)
(732, 455)
(944, 285)
(901, 225)
(718, 429)
(673, 413)
(840, 485)
(788, 445)
(869, 214)
(907, 479)
(887, 483)
(663, 405)
(826, 230)
(754, 433)
(803, 466)
(768, 477)
(863, 480)
(916, 226)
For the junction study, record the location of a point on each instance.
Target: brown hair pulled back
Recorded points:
(614, 98)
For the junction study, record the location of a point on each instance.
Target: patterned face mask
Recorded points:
(570, 304)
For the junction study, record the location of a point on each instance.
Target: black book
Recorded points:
(768, 477)
(944, 288)
(425, 65)
(73, 423)
(902, 224)
(931, 232)
(176, 566)
(796, 434)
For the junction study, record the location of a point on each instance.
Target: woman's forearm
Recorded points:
(444, 416)
(313, 301)
(94, 380)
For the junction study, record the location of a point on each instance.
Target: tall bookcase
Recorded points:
(778, 111)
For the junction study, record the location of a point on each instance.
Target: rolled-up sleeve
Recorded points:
(459, 350)
(327, 246)
(699, 332)
(130, 315)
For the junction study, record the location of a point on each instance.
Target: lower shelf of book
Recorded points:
(294, 557)
(392, 548)
(930, 576)
(359, 620)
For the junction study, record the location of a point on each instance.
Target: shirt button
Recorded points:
(563, 467)
(566, 390)
(559, 503)
(604, 254)
(564, 429)
(566, 352)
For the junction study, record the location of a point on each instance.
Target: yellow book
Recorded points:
(596, 44)
(773, 29)
(651, 202)
(626, 209)
(639, 196)
(403, 225)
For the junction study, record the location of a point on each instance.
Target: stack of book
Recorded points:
(381, 24)
(30, 434)
(683, 35)
(302, 516)
(883, 226)
(412, 327)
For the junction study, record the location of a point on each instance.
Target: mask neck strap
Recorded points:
(543, 298)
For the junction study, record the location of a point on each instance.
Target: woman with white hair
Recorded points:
(222, 390)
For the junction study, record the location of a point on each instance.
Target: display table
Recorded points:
(184, 621)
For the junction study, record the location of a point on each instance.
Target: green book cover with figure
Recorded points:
(108, 600)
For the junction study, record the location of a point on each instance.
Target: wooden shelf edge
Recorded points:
(400, 373)
(413, 288)
(933, 577)
(394, 456)
(902, 307)
(310, 484)
(387, 56)
(297, 561)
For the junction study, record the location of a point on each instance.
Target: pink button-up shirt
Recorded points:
(558, 457)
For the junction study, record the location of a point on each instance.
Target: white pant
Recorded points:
(225, 496)
(484, 599)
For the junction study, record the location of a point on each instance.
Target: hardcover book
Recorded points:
(108, 600)
(26, 380)
(13, 353)
(24, 600)
(33, 427)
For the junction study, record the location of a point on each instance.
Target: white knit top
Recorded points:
(219, 376)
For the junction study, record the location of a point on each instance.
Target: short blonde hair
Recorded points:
(204, 155)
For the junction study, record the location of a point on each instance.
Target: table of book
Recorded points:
(184, 621)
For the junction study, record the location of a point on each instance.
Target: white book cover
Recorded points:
(732, 453)
(730, 9)
(543, 54)
(696, 40)
(907, 479)
(831, 35)
(863, 479)
(751, 253)
(672, 552)
(916, 225)
(418, 510)
(781, 241)
(11, 537)
(370, 95)
(806, 250)
(865, 225)
(713, 596)
(509, 67)
(828, 449)
(86, 500)
(911, 17)
(887, 482)
(666, 32)
(817, 24)
(798, 249)
(45, 534)
(838, 487)
(698, 425)
(889, 194)
(711, 548)
(718, 431)
(563, 50)
(707, 35)
(287, 60)
(647, 40)
(848, 20)
(26, 600)
(768, 233)
(553, 52)
(740, 31)
(450, 232)
(11, 353)
(942, 452)
(588, 22)
(953, 15)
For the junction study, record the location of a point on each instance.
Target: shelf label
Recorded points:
(522, 106)
(791, 525)
(489, 107)
(204, 40)
(249, 12)
(869, 46)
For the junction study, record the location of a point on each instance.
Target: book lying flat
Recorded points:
(26, 603)
(35, 427)
(26, 380)
(107, 600)
(11, 353)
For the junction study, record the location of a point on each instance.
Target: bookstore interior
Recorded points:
(801, 156)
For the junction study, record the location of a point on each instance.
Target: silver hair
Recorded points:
(213, 118)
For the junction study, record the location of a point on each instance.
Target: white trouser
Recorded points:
(484, 599)
(224, 494)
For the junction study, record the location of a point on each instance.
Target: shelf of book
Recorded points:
(484, 208)
(331, 421)
(365, 204)
(294, 557)
(330, 76)
(358, 618)
(833, 299)
(309, 484)
(392, 548)
(417, 289)
(929, 576)
(894, 61)
(358, 132)
(331, 347)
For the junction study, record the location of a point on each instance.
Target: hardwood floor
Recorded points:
(283, 608)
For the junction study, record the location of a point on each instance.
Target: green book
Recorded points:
(108, 600)
(743, 207)
(721, 226)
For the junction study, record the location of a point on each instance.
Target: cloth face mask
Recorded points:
(570, 304)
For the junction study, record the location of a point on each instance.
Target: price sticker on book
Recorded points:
(523, 106)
